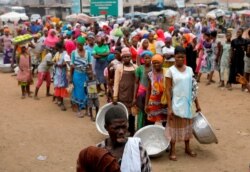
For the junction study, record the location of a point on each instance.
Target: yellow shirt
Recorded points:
(152, 47)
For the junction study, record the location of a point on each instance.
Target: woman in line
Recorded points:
(238, 48)
(160, 42)
(155, 110)
(8, 49)
(124, 86)
(24, 73)
(143, 47)
(141, 74)
(179, 87)
(191, 53)
(61, 60)
(206, 63)
(101, 52)
(224, 61)
(80, 62)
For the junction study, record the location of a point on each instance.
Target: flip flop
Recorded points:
(191, 153)
(172, 158)
(79, 115)
(63, 108)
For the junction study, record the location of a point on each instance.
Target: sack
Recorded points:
(164, 99)
(118, 32)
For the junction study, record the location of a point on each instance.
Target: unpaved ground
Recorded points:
(30, 128)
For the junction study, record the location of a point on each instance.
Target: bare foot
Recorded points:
(190, 153)
(172, 157)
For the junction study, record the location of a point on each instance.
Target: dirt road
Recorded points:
(30, 128)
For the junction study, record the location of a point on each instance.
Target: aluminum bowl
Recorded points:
(153, 139)
(6, 68)
(100, 117)
(202, 130)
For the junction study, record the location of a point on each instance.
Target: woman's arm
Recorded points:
(137, 80)
(198, 108)
(147, 95)
(168, 86)
(116, 84)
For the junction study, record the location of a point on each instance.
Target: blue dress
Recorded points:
(79, 92)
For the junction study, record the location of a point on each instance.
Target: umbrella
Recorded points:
(13, 16)
(71, 18)
(83, 18)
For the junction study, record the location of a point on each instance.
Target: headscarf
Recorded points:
(171, 29)
(158, 58)
(125, 51)
(160, 35)
(144, 53)
(81, 40)
(187, 36)
(51, 41)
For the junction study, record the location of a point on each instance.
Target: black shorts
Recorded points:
(93, 102)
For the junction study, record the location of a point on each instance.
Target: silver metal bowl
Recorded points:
(202, 130)
(153, 139)
(100, 117)
(6, 68)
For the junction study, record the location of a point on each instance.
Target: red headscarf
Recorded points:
(160, 35)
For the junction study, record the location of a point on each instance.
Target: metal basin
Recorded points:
(6, 68)
(202, 130)
(153, 139)
(100, 117)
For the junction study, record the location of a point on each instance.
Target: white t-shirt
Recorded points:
(159, 46)
(168, 51)
(43, 67)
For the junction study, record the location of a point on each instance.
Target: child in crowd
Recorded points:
(24, 74)
(35, 53)
(44, 73)
(224, 61)
(61, 60)
(93, 100)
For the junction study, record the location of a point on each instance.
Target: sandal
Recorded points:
(63, 108)
(23, 97)
(172, 157)
(191, 153)
(79, 115)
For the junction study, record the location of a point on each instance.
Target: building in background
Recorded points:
(58, 8)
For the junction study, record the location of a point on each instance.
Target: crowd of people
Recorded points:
(153, 72)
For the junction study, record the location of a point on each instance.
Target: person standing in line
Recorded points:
(156, 111)
(124, 86)
(100, 53)
(44, 73)
(80, 63)
(61, 60)
(180, 97)
(141, 88)
(224, 61)
(238, 48)
(24, 76)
